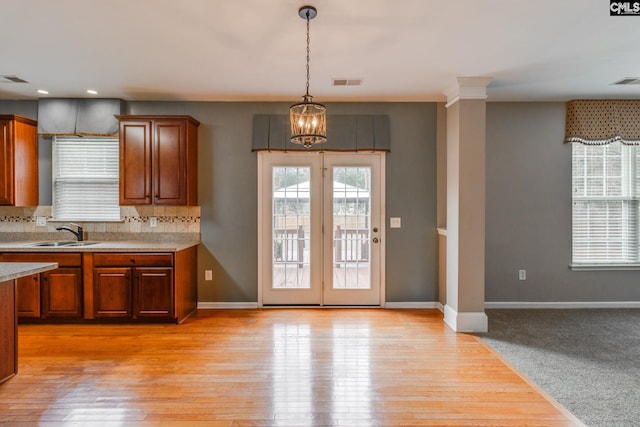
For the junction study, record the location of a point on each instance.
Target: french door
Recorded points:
(321, 228)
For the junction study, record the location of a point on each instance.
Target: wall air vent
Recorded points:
(346, 82)
(628, 81)
(12, 79)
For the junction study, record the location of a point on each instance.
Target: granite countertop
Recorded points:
(15, 270)
(98, 246)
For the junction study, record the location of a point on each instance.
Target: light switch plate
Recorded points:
(41, 221)
(395, 223)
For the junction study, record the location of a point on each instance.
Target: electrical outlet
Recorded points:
(153, 221)
(522, 274)
(41, 221)
(208, 275)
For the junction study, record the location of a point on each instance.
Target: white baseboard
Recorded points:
(466, 321)
(563, 305)
(227, 305)
(252, 305)
(412, 304)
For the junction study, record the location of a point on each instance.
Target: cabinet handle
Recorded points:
(35, 278)
(133, 261)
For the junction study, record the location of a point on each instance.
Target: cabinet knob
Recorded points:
(132, 260)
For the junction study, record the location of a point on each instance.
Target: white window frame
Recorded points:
(599, 232)
(85, 179)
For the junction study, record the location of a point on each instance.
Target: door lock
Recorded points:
(375, 229)
(375, 240)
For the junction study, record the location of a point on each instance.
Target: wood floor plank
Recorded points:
(276, 367)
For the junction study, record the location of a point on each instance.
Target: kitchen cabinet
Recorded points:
(109, 286)
(10, 273)
(28, 296)
(139, 286)
(62, 293)
(59, 295)
(18, 161)
(158, 160)
(8, 331)
(112, 292)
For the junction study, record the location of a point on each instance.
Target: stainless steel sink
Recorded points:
(63, 244)
(53, 244)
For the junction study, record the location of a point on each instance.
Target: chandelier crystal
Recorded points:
(308, 119)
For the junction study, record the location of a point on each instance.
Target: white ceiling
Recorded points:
(254, 50)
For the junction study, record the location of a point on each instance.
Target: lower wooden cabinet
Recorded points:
(28, 289)
(55, 294)
(137, 293)
(131, 285)
(8, 331)
(153, 293)
(111, 292)
(62, 293)
(108, 286)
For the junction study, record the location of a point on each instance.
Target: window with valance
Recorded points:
(605, 181)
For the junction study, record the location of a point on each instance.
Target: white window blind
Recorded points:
(85, 179)
(605, 203)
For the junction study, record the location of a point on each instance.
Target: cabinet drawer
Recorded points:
(63, 259)
(132, 259)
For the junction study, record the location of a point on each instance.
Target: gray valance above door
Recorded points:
(271, 132)
(600, 122)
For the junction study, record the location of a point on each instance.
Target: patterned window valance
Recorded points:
(599, 122)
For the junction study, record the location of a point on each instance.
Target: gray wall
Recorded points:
(228, 195)
(528, 212)
(528, 206)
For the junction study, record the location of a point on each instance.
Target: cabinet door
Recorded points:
(170, 162)
(6, 163)
(153, 292)
(18, 161)
(28, 289)
(112, 292)
(135, 162)
(62, 293)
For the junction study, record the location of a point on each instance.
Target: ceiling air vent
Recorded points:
(13, 79)
(628, 81)
(346, 82)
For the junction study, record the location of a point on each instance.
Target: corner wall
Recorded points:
(528, 213)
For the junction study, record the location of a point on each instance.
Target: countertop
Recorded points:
(99, 246)
(15, 270)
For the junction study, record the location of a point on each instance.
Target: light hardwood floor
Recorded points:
(272, 367)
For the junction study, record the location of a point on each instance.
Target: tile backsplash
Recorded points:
(134, 219)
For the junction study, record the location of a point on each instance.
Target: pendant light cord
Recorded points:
(308, 51)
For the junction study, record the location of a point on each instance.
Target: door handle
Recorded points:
(375, 240)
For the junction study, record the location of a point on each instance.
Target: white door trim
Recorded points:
(262, 224)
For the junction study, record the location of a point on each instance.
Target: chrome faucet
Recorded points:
(78, 233)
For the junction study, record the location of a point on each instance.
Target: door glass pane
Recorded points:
(351, 223)
(290, 231)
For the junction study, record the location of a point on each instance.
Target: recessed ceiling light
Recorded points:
(92, 92)
(42, 91)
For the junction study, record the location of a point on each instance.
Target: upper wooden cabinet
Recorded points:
(18, 161)
(158, 160)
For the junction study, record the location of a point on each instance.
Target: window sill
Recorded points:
(604, 267)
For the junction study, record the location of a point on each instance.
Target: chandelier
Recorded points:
(308, 119)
